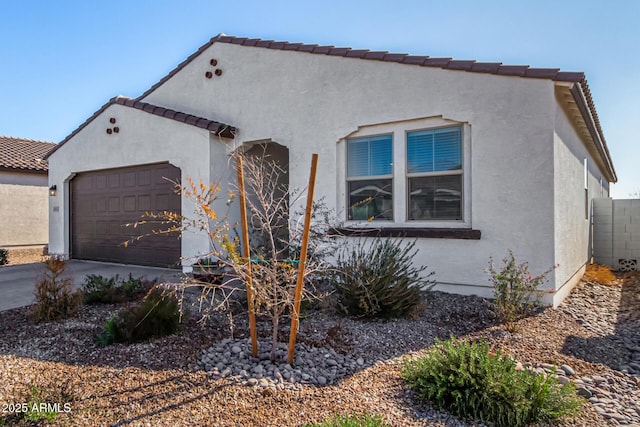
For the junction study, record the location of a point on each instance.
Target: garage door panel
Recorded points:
(129, 203)
(114, 204)
(104, 202)
(129, 179)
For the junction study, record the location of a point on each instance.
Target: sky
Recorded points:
(60, 61)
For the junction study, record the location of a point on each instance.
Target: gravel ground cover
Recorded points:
(592, 339)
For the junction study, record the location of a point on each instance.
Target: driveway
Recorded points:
(17, 282)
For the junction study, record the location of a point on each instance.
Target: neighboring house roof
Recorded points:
(213, 126)
(578, 88)
(24, 155)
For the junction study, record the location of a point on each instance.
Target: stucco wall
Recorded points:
(516, 192)
(310, 103)
(24, 199)
(142, 139)
(573, 248)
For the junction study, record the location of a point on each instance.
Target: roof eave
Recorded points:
(23, 170)
(217, 128)
(578, 90)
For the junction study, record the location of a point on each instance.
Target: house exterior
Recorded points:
(24, 195)
(472, 159)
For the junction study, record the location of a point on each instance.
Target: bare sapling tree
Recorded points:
(215, 295)
(275, 239)
(275, 229)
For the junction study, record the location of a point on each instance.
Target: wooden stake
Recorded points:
(246, 254)
(303, 259)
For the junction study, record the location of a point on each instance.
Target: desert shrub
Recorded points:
(470, 381)
(353, 420)
(54, 294)
(39, 404)
(4, 256)
(156, 316)
(379, 280)
(36, 412)
(515, 290)
(100, 289)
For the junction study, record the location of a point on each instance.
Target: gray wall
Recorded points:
(616, 233)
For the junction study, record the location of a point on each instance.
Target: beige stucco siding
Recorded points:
(23, 209)
(142, 139)
(310, 103)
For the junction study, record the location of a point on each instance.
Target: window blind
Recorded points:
(370, 156)
(434, 150)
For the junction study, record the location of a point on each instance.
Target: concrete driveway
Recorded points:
(17, 282)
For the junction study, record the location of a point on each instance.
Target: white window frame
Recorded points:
(456, 172)
(400, 182)
(371, 177)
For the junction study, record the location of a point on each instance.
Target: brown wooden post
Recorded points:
(303, 259)
(246, 254)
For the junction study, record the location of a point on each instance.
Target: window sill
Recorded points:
(425, 233)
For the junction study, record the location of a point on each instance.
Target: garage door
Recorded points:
(102, 202)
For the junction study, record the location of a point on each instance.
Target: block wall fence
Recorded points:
(616, 233)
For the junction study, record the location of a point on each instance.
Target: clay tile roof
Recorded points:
(460, 65)
(339, 51)
(292, 46)
(24, 155)
(410, 59)
(436, 62)
(201, 122)
(239, 40)
(322, 49)
(251, 42)
(379, 54)
(277, 45)
(307, 47)
(542, 73)
(486, 67)
(217, 128)
(394, 57)
(513, 70)
(357, 53)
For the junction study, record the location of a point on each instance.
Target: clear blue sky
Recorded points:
(61, 60)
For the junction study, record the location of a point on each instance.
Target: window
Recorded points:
(434, 174)
(406, 174)
(586, 189)
(369, 178)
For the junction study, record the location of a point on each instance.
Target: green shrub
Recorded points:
(353, 420)
(108, 336)
(4, 256)
(379, 280)
(54, 294)
(515, 291)
(467, 380)
(99, 289)
(103, 290)
(35, 414)
(156, 316)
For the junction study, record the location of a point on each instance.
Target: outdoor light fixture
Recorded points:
(53, 190)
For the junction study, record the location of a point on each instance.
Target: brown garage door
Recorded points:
(102, 202)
